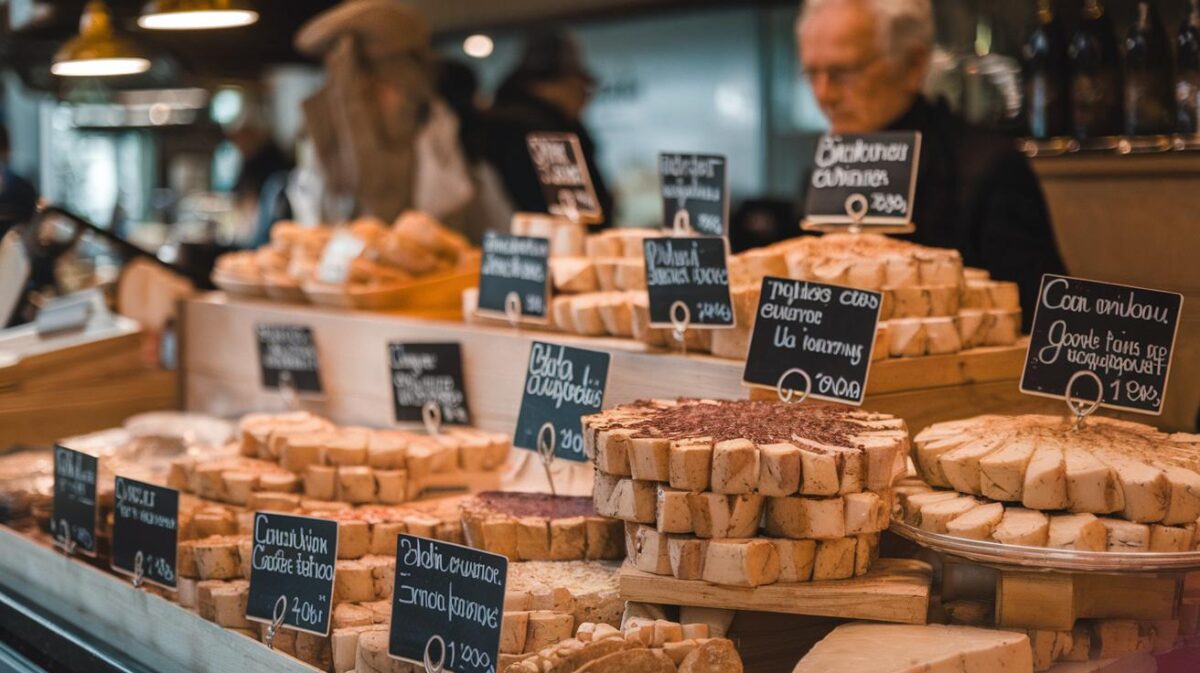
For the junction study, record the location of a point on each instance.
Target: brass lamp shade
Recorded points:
(196, 14)
(98, 51)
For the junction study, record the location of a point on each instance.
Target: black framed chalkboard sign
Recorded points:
(563, 173)
(514, 278)
(694, 187)
(865, 181)
(1101, 344)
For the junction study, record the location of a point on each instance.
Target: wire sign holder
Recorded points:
(863, 182)
(1081, 410)
(547, 442)
(786, 394)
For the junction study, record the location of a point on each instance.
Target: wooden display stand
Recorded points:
(895, 590)
(219, 365)
(59, 386)
(1039, 599)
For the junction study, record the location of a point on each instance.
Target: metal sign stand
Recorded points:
(430, 666)
(287, 390)
(277, 614)
(65, 542)
(681, 318)
(546, 444)
(512, 310)
(856, 208)
(139, 572)
(431, 416)
(786, 394)
(1079, 409)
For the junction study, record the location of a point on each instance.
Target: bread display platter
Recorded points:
(1049, 558)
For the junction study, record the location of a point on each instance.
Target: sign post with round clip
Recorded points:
(145, 532)
(863, 183)
(292, 572)
(514, 279)
(562, 170)
(824, 334)
(287, 358)
(1121, 337)
(75, 511)
(562, 385)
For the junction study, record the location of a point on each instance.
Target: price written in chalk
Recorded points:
(690, 270)
(428, 372)
(562, 385)
(145, 521)
(75, 499)
(514, 266)
(697, 185)
(826, 331)
(879, 169)
(288, 353)
(293, 557)
(1123, 335)
(449, 592)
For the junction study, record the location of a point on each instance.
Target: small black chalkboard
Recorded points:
(291, 349)
(691, 270)
(1124, 335)
(566, 183)
(146, 520)
(697, 185)
(428, 372)
(562, 384)
(514, 265)
(75, 498)
(449, 592)
(293, 557)
(826, 331)
(878, 171)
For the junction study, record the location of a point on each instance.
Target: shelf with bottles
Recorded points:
(1092, 91)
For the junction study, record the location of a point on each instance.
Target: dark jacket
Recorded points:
(516, 113)
(978, 194)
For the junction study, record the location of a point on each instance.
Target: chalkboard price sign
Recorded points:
(696, 185)
(146, 522)
(562, 170)
(290, 349)
(291, 571)
(75, 499)
(1124, 336)
(825, 331)
(692, 271)
(864, 179)
(428, 372)
(562, 384)
(516, 267)
(447, 604)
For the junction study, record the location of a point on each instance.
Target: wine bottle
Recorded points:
(1149, 101)
(1046, 69)
(1187, 83)
(1096, 89)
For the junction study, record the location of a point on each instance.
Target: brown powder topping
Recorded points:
(534, 504)
(760, 421)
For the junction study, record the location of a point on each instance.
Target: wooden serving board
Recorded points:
(895, 590)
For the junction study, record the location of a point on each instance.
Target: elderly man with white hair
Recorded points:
(866, 61)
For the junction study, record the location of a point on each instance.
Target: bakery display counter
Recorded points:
(220, 375)
(150, 629)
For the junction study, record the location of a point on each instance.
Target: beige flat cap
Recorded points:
(384, 28)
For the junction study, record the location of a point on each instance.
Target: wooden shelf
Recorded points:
(152, 630)
(895, 590)
(220, 367)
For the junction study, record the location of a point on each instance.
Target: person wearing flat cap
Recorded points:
(383, 141)
(546, 93)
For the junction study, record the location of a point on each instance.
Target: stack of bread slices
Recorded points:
(1108, 485)
(746, 493)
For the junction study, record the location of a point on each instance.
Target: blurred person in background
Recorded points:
(18, 198)
(263, 164)
(382, 139)
(546, 92)
(491, 209)
(867, 61)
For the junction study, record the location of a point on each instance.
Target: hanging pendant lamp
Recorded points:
(98, 51)
(196, 14)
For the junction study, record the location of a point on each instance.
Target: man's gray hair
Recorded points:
(903, 24)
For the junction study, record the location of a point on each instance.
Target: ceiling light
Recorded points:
(196, 14)
(98, 51)
(478, 46)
